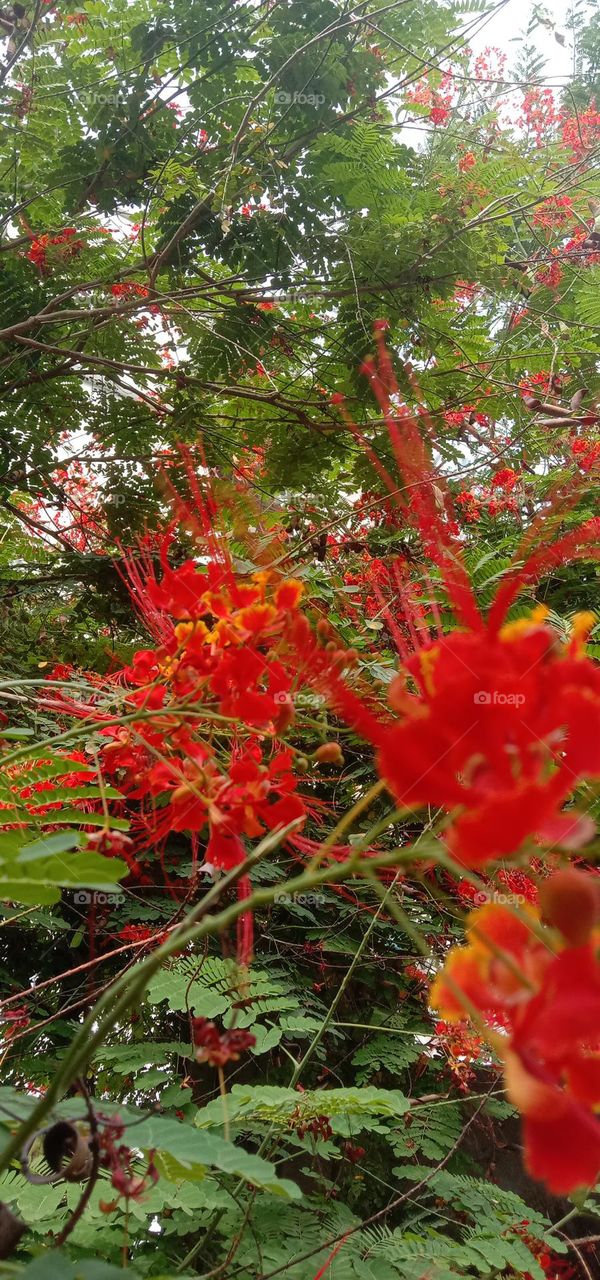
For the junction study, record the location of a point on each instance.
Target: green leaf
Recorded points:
(192, 1147)
(57, 843)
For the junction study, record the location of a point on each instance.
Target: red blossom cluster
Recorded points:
(550, 273)
(119, 1159)
(496, 722)
(14, 1021)
(43, 246)
(73, 510)
(129, 289)
(586, 453)
(581, 132)
(474, 506)
(462, 1048)
(504, 724)
(506, 479)
(465, 292)
(490, 66)
(217, 1048)
(376, 511)
(352, 1153)
(466, 162)
(318, 1127)
(554, 1267)
(29, 795)
(539, 113)
(374, 582)
(224, 656)
(140, 933)
(537, 977)
(542, 383)
(579, 247)
(438, 98)
(220, 652)
(466, 415)
(553, 213)
(516, 885)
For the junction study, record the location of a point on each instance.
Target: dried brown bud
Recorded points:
(67, 1152)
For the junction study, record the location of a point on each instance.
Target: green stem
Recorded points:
(315, 1042)
(128, 990)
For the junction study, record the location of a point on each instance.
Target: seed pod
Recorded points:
(68, 1152)
(556, 410)
(558, 422)
(532, 402)
(576, 400)
(11, 1230)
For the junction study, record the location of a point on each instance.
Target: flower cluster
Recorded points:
(41, 245)
(224, 661)
(462, 1048)
(553, 213)
(466, 162)
(485, 502)
(33, 794)
(438, 99)
(72, 510)
(539, 113)
(532, 981)
(495, 723)
(119, 1159)
(466, 415)
(542, 383)
(490, 66)
(219, 1047)
(550, 273)
(501, 729)
(581, 133)
(129, 289)
(586, 453)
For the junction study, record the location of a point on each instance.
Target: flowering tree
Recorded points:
(300, 718)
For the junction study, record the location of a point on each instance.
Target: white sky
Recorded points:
(506, 30)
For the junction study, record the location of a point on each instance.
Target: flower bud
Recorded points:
(329, 753)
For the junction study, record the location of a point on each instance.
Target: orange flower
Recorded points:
(523, 976)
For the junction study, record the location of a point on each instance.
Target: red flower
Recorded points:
(219, 1047)
(546, 993)
(505, 479)
(129, 289)
(503, 729)
(499, 723)
(466, 162)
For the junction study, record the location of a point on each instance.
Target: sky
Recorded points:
(507, 29)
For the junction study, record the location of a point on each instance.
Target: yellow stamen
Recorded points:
(522, 626)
